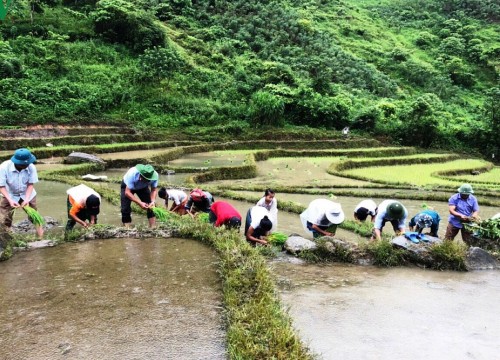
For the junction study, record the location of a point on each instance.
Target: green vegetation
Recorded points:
(34, 216)
(161, 214)
(415, 73)
(277, 238)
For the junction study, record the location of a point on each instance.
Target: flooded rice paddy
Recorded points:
(161, 298)
(112, 299)
(351, 312)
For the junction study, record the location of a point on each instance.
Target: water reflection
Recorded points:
(348, 312)
(113, 299)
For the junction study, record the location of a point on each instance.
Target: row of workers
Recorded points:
(140, 185)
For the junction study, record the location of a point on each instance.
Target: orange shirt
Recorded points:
(75, 206)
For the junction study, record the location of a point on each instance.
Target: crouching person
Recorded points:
(258, 225)
(322, 217)
(223, 213)
(83, 206)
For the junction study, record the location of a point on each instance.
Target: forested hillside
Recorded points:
(417, 72)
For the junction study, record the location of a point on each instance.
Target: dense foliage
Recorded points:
(421, 73)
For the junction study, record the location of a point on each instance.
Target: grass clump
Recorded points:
(449, 255)
(384, 254)
(203, 217)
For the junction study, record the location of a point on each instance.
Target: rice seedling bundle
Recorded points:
(277, 238)
(161, 214)
(34, 216)
(203, 217)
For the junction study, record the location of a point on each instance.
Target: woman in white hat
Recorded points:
(322, 215)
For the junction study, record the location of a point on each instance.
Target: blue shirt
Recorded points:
(132, 180)
(462, 206)
(435, 220)
(16, 182)
(382, 215)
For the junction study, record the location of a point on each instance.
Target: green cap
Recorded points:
(147, 172)
(395, 210)
(466, 189)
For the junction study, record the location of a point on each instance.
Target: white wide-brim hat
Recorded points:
(334, 214)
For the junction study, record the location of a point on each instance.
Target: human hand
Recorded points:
(14, 204)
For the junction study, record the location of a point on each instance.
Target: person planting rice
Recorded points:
(322, 217)
(270, 202)
(199, 201)
(143, 181)
(17, 177)
(365, 208)
(428, 218)
(392, 211)
(223, 213)
(83, 205)
(258, 225)
(178, 197)
(463, 208)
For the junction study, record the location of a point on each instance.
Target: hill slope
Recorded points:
(422, 73)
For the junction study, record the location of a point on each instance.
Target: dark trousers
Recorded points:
(126, 203)
(452, 231)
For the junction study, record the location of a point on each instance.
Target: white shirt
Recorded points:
(177, 196)
(257, 213)
(316, 213)
(81, 192)
(273, 210)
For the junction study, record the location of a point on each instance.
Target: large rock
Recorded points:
(479, 259)
(295, 244)
(26, 227)
(419, 251)
(79, 157)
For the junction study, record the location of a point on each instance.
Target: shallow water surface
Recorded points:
(347, 312)
(112, 299)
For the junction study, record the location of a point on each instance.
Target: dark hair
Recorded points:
(92, 203)
(362, 213)
(265, 224)
(162, 193)
(268, 192)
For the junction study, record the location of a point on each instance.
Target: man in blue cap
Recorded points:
(17, 177)
(143, 181)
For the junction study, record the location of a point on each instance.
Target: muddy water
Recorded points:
(356, 313)
(112, 299)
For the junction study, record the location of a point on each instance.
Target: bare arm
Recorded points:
(5, 194)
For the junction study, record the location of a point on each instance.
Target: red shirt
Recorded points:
(224, 211)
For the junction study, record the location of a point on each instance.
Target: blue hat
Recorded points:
(23, 157)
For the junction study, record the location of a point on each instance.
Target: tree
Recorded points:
(266, 109)
(157, 64)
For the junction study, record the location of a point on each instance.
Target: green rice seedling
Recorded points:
(203, 217)
(34, 216)
(161, 214)
(277, 238)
